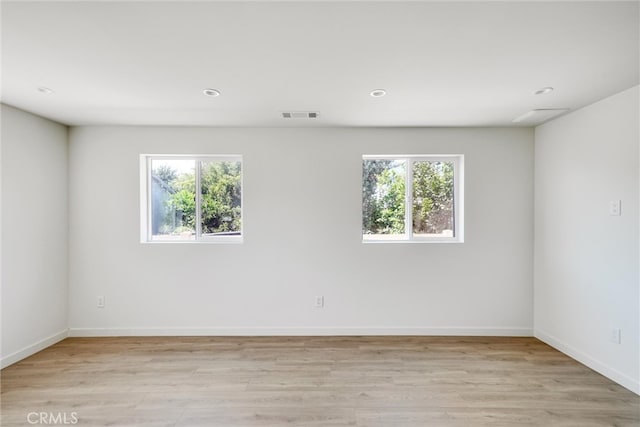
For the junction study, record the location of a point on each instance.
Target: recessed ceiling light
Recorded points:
(377, 93)
(43, 89)
(211, 92)
(543, 91)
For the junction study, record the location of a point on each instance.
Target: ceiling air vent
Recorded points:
(300, 115)
(540, 115)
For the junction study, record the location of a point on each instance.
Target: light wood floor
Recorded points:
(313, 381)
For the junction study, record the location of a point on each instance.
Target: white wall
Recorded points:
(586, 261)
(34, 234)
(302, 222)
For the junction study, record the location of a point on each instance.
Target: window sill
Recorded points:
(383, 241)
(194, 242)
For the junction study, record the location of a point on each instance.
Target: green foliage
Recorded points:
(370, 171)
(184, 205)
(166, 174)
(383, 197)
(432, 197)
(390, 202)
(220, 198)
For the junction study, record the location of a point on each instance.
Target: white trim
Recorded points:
(203, 241)
(458, 198)
(302, 331)
(408, 200)
(145, 202)
(205, 157)
(600, 367)
(374, 240)
(425, 157)
(198, 191)
(32, 349)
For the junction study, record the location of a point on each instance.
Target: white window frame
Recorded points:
(458, 198)
(145, 197)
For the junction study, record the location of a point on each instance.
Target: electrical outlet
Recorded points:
(615, 335)
(319, 302)
(615, 208)
(100, 303)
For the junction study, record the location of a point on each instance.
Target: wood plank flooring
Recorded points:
(312, 381)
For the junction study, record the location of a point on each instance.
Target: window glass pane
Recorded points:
(221, 198)
(383, 198)
(173, 204)
(433, 209)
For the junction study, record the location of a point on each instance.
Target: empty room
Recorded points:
(320, 213)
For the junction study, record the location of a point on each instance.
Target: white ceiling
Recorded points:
(442, 63)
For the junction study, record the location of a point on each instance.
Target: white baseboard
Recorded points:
(29, 350)
(302, 331)
(602, 368)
